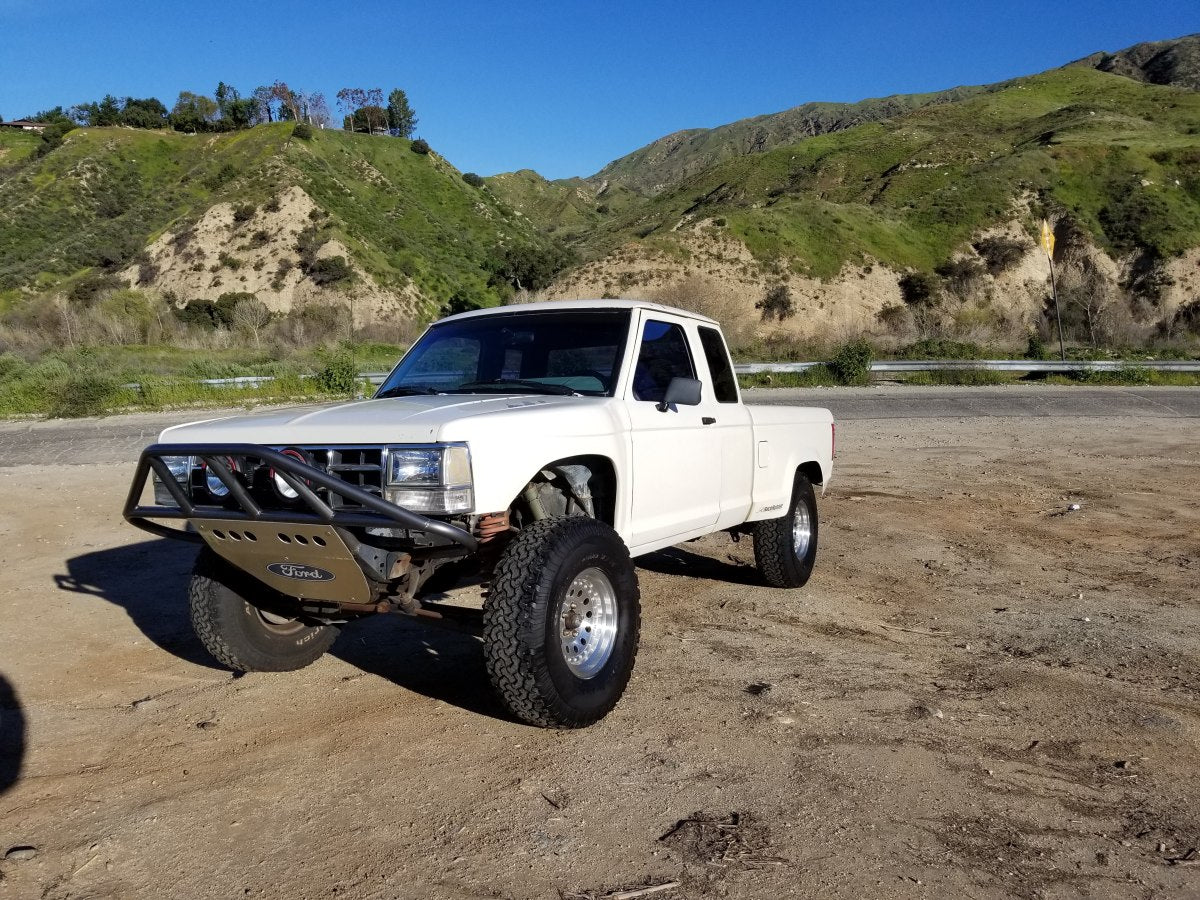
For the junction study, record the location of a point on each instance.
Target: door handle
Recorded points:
(707, 420)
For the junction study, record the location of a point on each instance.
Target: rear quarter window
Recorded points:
(724, 382)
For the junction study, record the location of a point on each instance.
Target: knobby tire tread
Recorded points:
(512, 658)
(216, 588)
(773, 551)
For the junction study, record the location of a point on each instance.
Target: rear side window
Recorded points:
(663, 355)
(723, 380)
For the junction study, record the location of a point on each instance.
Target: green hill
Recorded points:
(408, 219)
(1121, 157)
(859, 195)
(672, 159)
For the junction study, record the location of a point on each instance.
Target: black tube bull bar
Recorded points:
(375, 513)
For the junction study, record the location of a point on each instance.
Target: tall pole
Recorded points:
(1047, 242)
(1062, 352)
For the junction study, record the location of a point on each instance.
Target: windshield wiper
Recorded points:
(407, 390)
(536, 387)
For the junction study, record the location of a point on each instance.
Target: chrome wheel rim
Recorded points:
(587, 623)
(801, 531)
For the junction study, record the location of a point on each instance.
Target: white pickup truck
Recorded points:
(533, 448)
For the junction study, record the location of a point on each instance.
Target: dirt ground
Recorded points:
(981, 693)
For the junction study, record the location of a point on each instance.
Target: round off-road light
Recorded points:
(215, 485)
(282, 488)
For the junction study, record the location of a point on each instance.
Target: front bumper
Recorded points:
(304, 551)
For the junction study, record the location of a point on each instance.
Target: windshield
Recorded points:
(573, 352)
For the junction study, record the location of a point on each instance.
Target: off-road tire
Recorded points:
(525, 658)
(234, 630)
(780, 562)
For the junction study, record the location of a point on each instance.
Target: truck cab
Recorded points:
(515, 445)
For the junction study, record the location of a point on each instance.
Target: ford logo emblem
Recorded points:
(299, 572)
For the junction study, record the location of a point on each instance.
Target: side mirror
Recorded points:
(681, 392)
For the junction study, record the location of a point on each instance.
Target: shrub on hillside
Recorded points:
(84, 393)
(420, 146)
(330, 270)
(1000, 253)
(1187, 318)
(88, 291)
(895, 317)
(1036, 348)
(319, 322)
(851, 364)
(116, 251)
(961, 276)
(339, 374)
(52, 137)
(223, 175)
(919, 288)
(526, 266)
(243, 213)
(472, 179)
(777, 303)
(303, 131)
(272, 205)
(147, 269)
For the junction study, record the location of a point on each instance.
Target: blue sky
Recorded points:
(558, 87)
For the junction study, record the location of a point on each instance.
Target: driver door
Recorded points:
(676, 455)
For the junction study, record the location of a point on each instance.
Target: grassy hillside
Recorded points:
(1122, 157)
(15, 148)
(95, 202)
(673, 159)
(569, 208)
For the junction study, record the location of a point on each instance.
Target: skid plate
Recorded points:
(308, 561)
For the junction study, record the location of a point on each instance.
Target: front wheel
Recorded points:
(561, 622)
(785, 549)
(259, 636)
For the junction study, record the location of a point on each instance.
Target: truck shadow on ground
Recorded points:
(678, 561)
(149, 581)
(12, 735)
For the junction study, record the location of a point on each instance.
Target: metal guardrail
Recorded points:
(993, 365)
(884, 365)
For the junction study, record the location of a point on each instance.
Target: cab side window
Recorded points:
(723, 380)
(662, 355)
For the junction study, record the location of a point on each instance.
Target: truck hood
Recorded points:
(393, 420)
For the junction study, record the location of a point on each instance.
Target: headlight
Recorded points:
(180, 467)
(434, 479)
(285, 490)
(215, 485)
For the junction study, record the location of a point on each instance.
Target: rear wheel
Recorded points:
(246, 625)
(785, 549)
(561, 622)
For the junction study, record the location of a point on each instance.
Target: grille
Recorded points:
(361, 467)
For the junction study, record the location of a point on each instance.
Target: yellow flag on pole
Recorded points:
(1047, 239)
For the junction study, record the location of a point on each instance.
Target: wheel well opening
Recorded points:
(573, 485)
(812, 471)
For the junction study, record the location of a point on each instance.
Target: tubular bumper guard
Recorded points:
(375, 513)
